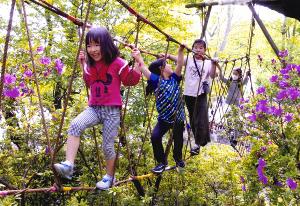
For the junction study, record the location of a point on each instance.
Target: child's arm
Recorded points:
(222, 78)
(214, 65)
(180, 60)
(140, 63)
(172, 57)
(245, 80)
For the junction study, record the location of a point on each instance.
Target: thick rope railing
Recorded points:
(59, 12)
(69, 89)
(142, 18)
(36, 80)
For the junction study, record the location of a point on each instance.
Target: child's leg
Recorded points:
(85, 119)
(156, 139)
(72, 148)
(111, 123)
(190, 104)
(178, 141)
(202, 136)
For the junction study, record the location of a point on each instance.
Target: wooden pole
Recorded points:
(264, 30)
(205, 22)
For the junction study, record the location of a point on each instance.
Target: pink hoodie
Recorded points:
(104, 82)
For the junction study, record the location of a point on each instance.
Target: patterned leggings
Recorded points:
(109, 116)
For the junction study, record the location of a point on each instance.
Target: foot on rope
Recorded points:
(180, 165)
(195, 150)
(233, 143)
(106, 182)
(159, 168)
(64, 169)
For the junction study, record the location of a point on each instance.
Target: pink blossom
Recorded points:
(40, 49)
(45, 60)
(261, 90)
(274, 79)
(9, 79)
(288, 117)
(291, 184)
(59, 66)
(12, 93)
(28, 73)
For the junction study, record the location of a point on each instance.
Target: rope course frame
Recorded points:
(58, 144)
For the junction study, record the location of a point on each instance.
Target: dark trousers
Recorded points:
(158, 132)
(198, 114)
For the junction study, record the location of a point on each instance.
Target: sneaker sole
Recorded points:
(61, 174)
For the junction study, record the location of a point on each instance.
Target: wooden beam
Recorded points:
(264, 30)
(225, 2)
(214, 3)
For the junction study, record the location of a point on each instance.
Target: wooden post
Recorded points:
(264, 30)
(205, 22)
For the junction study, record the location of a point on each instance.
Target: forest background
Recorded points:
(264, 170)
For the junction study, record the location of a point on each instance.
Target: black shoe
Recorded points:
(159, 168)
(233, 142)
(180, 164)
(195, 150)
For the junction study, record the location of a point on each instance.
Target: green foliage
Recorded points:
(212, 178)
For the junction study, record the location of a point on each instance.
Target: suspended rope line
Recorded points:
(59, 12)
(132, 47)
(219, 102)
(69, 89)
(55, 188)
(133, 172)
(3, 69)
(99, 159)
(188, 128)
(251, 34)
(140, 17)
(37, 82)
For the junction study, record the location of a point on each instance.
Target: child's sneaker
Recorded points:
(105, 183)
(64, 169)
(159, 168)
(195, 150)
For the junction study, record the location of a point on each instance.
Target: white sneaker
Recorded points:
(64, 169)
(105, 183)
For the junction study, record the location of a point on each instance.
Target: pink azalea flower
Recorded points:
(9, 79)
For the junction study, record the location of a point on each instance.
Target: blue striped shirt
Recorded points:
(168, 102)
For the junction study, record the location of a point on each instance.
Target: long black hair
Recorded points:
(154, 68)
(109, 51)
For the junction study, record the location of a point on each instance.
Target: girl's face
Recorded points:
(235, 75)
(94, 50)
(199, 50)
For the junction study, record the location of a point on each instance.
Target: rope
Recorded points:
(37, 83)
(11, 14)
(137, 184)
(140, 17)
(57, 146)
(59, 12)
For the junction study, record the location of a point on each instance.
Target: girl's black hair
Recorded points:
(199, 41)
(154, 68)
(109, 51)
(238, 70)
